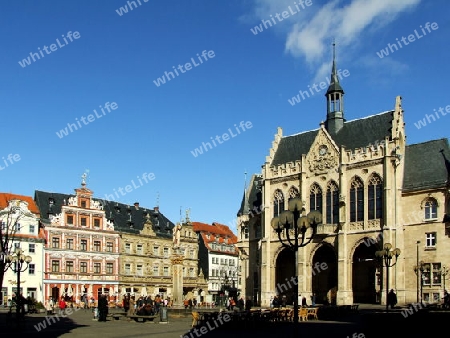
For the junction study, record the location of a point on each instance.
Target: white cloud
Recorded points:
(309, 36)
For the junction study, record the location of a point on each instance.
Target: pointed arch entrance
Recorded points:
(324, 274)
(284, 271)
(365, 273)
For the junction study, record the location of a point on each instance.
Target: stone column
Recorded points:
(177, 278)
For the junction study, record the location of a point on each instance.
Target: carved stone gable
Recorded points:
(323, 155)
(148, 229)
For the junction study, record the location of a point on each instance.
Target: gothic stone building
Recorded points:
(371, 188)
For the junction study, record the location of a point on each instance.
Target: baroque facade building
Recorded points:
(96, 246)
(371, 189)
(19, 220)
(82, 251)
(147, 246)
(218, 259)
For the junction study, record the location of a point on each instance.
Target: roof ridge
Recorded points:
(429, 141)
(369, 116)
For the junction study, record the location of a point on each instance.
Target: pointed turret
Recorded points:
(335, 100)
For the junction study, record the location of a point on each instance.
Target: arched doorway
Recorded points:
(285, 270)
(324, 275)
(364, 273)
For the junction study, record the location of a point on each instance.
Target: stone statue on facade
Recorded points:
(176, 235)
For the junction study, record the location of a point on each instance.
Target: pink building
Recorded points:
(81, 255)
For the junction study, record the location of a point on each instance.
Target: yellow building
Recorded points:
(146, 251)
(371, 188)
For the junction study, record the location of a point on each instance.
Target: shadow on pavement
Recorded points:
(365, 325)
(50, 326)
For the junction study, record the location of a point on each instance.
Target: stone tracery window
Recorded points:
(278, 202)
(356, 200)
(293, 193)
(332, 203)
(375, 197)
(315, 198)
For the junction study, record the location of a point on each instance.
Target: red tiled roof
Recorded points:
(216, 230)
(6, 197)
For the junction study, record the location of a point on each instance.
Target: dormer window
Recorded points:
(83, 204)
(117, 208)
(51, 201)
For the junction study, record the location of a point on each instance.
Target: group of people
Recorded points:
(277, 301)
(240, 304)
(144, 305)
(190, 303)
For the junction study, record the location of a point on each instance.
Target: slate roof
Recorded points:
(119, 212)
(425, 167)
(252, 198)
(354, 134)
(334, 86)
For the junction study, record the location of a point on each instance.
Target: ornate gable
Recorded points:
(323, 155)
(148, 228)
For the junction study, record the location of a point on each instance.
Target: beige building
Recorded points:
(147, 250)
(371, 188)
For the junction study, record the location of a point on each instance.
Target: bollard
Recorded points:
(163, 316)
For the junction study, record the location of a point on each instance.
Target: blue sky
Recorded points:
(156, 129)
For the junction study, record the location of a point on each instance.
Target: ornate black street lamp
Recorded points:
(387, 258)
(444, 273)
(293, 223)
(224, 286)
(21, 263)
(420, 270)
(417, 264)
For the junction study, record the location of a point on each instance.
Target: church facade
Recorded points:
(371, 189)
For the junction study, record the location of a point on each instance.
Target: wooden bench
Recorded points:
(142, 318)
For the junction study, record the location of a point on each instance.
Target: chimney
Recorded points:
(136, 205)
(156, 209)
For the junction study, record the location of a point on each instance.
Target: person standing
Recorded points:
(131, 307)
(241, 304)
(102, 308)
(392, 299)
(304, 304)
(126, 303)
(248, 304)
(62, 304)
(446, 300)
(283, 301)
